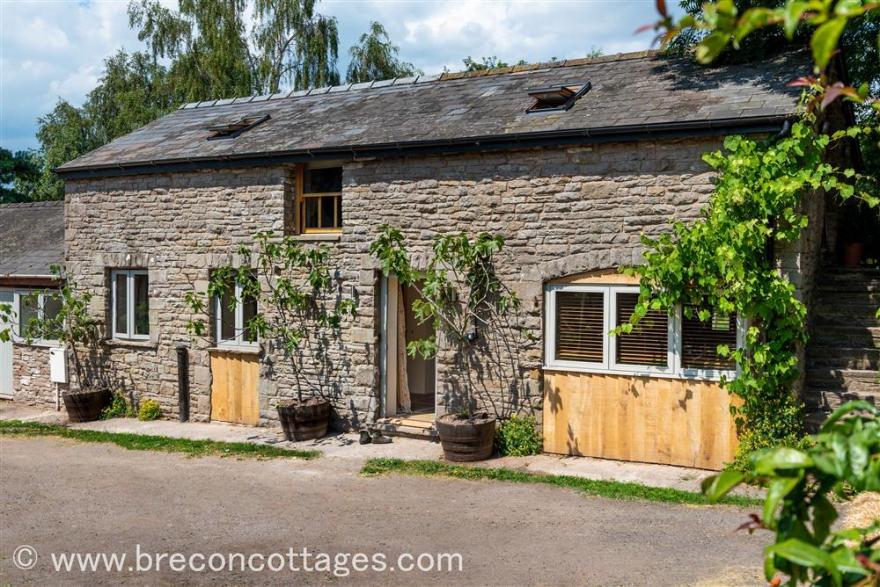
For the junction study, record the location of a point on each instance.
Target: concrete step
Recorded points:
(852, 380)
(408, 428)
(842, 280)
(834, 313)
(845, 336)
(821, 402)
(840, 357)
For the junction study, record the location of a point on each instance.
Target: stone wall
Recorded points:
(561, 211)
(30, 376)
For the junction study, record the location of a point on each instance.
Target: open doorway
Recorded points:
(409, 382)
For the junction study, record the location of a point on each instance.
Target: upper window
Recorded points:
(320, 203)
(34, 305)
(233, 313)
(581, 317)
(130, 304)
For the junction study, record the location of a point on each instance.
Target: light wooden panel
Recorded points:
(235, 388)
(601, 276)
(652, 420)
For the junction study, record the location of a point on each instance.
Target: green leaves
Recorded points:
(824, 41)
(717, 486)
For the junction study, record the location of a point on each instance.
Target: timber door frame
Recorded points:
(389, 299)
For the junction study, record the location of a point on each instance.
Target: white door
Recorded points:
(6, 297)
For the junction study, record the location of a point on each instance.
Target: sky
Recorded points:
(51, 49)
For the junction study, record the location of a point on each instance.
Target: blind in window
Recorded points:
(648, 343)
(699, 341)
(580, 326)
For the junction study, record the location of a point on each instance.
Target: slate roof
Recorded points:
(31, 238)
(635, 92)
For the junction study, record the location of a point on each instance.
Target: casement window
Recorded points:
(130, 304)
(233, 312)
(319, 207)
(581, 317)
(32, 305)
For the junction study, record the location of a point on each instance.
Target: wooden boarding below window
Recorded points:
(652, 420)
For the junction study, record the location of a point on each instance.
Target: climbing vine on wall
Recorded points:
(724, 263)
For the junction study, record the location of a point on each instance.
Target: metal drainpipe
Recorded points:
(183, 382)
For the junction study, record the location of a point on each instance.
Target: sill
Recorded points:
(318, 236)
(126, 343)
(684, 376)
(41, 344)
(237, 350)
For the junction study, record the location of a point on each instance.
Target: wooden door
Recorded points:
(235, 388)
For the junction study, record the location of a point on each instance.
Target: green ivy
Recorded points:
(724, 263)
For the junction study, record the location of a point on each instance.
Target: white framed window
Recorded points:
(130, 304)
(233, 312)
(29, 305)
(579, 319)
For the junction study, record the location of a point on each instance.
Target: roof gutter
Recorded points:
(514, 141)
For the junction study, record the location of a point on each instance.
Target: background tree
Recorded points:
(374, 57)
(217, 52)
(17, 171)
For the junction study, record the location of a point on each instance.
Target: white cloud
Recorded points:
(55, 49)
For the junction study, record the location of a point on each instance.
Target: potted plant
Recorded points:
(299, 311)
(462, 296)
(77, 331)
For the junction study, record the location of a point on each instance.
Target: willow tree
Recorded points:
(374, 57)
(226, 48)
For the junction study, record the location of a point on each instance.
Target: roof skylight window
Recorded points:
(233, 129)
(556, 98)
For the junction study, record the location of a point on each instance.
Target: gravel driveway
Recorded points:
(60, 496)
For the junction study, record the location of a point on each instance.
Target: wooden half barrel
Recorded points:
(466, 440)
(304, 421)
(86, 406)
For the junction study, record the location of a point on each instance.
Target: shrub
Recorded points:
(119, 408)
(517, 437)
(149, 410)
(802, 486)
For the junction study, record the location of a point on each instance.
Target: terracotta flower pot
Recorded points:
(86, 406)
(466, 439)
(852, 254)
(304, 420)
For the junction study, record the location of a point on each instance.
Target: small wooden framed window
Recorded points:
(700, 341)
(319, 200)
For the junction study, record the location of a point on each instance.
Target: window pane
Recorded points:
(51, 306)
(141, 304)
(700, 341)
(227, 315)
(249, 310)
(648, 343)
(580, 330)
(338, 211)
(328, 213)
(120, 311)
(320, 181)
(27, 312)
(310, 215)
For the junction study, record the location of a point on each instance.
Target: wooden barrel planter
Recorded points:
(304, 420)
(86, 406)
(466, 439)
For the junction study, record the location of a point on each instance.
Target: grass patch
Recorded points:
(196, 448)
(611, 489)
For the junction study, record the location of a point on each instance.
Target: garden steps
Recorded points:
(843, 354)
(409, 427)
